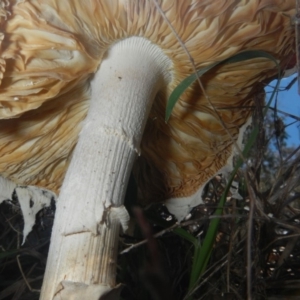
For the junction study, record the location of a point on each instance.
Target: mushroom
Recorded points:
(83, 80)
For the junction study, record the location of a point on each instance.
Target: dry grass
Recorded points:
(256, 253)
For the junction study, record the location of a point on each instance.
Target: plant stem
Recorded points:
(84, 243)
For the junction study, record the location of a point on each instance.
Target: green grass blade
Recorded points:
(179, 90)
(181, 87)
(202, 254)
(200, 262)
(187, 236)
(9, 253)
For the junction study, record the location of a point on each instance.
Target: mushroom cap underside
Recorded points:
(51, 49)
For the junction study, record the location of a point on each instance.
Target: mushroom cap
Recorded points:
(52, 47)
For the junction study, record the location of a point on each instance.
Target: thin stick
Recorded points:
(280, 238)
(212, 269)
(24, 277)
(249, 237)
(162, 232)
(177, 225)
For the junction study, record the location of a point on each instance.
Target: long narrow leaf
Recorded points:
(184, 234)
(202, 254)
(181, 87)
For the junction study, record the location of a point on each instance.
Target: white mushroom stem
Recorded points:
(83, 251)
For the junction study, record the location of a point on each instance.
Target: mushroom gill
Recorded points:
(50, 56)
